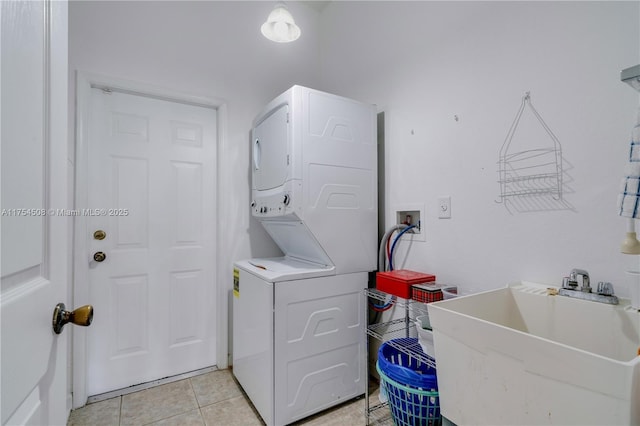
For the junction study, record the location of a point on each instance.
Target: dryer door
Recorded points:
(270, 150)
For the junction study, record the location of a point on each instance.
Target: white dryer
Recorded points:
(298, 321)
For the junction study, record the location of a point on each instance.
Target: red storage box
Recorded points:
(399, 282)
(427, 293)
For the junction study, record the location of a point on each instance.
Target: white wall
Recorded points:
(425, 62)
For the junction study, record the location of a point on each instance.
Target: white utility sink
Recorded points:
(519, 356)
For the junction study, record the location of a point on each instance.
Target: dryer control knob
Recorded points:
(286, 199)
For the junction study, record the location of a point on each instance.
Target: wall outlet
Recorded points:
(444, 207)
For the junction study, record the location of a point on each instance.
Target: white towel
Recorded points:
(632, 169)
(634, 152)
(629, 198)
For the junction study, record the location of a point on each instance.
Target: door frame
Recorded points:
(86, 81)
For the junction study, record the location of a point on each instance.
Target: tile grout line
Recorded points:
(120, 411)
(195, 394)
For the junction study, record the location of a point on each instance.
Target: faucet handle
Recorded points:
(568, 282)
(605, 288)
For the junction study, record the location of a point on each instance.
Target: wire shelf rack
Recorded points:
(399, 333)
(530, 172)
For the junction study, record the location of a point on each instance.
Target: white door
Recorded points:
(34, 238)
(271, 150)
(151, 189)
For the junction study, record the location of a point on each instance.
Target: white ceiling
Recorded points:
(316, 5)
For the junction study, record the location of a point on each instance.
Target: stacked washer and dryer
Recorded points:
(298, 321)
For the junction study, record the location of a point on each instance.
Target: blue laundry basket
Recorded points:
(409, 384)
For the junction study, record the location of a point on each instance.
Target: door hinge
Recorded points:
(287, 117)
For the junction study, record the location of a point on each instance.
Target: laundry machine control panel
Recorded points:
(280, 201)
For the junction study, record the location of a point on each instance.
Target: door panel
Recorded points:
(270, 150)
(23, 127)
(152, 183)
(187, 189)
(130, 305)
(130, 186)
(185, 291)
(34, 237)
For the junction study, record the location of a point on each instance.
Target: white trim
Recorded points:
(28, 284)
(149, 90)
(27, 409)
(84, 83)
(222, 321)
(12, 283)
(59, 256)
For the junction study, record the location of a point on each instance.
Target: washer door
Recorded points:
(270, 150)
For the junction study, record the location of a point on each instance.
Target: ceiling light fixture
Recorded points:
(280, 26)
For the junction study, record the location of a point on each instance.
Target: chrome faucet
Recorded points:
(573, 278)
(570, 288)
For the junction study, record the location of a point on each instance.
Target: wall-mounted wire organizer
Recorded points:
(530, 171)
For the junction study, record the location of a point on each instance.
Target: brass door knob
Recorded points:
(99, 256)
(99, 234)
(81, 316)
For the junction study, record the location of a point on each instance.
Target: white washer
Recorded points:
(298, 345)
(298, 321)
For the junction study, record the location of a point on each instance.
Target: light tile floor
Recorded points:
(213, 398)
